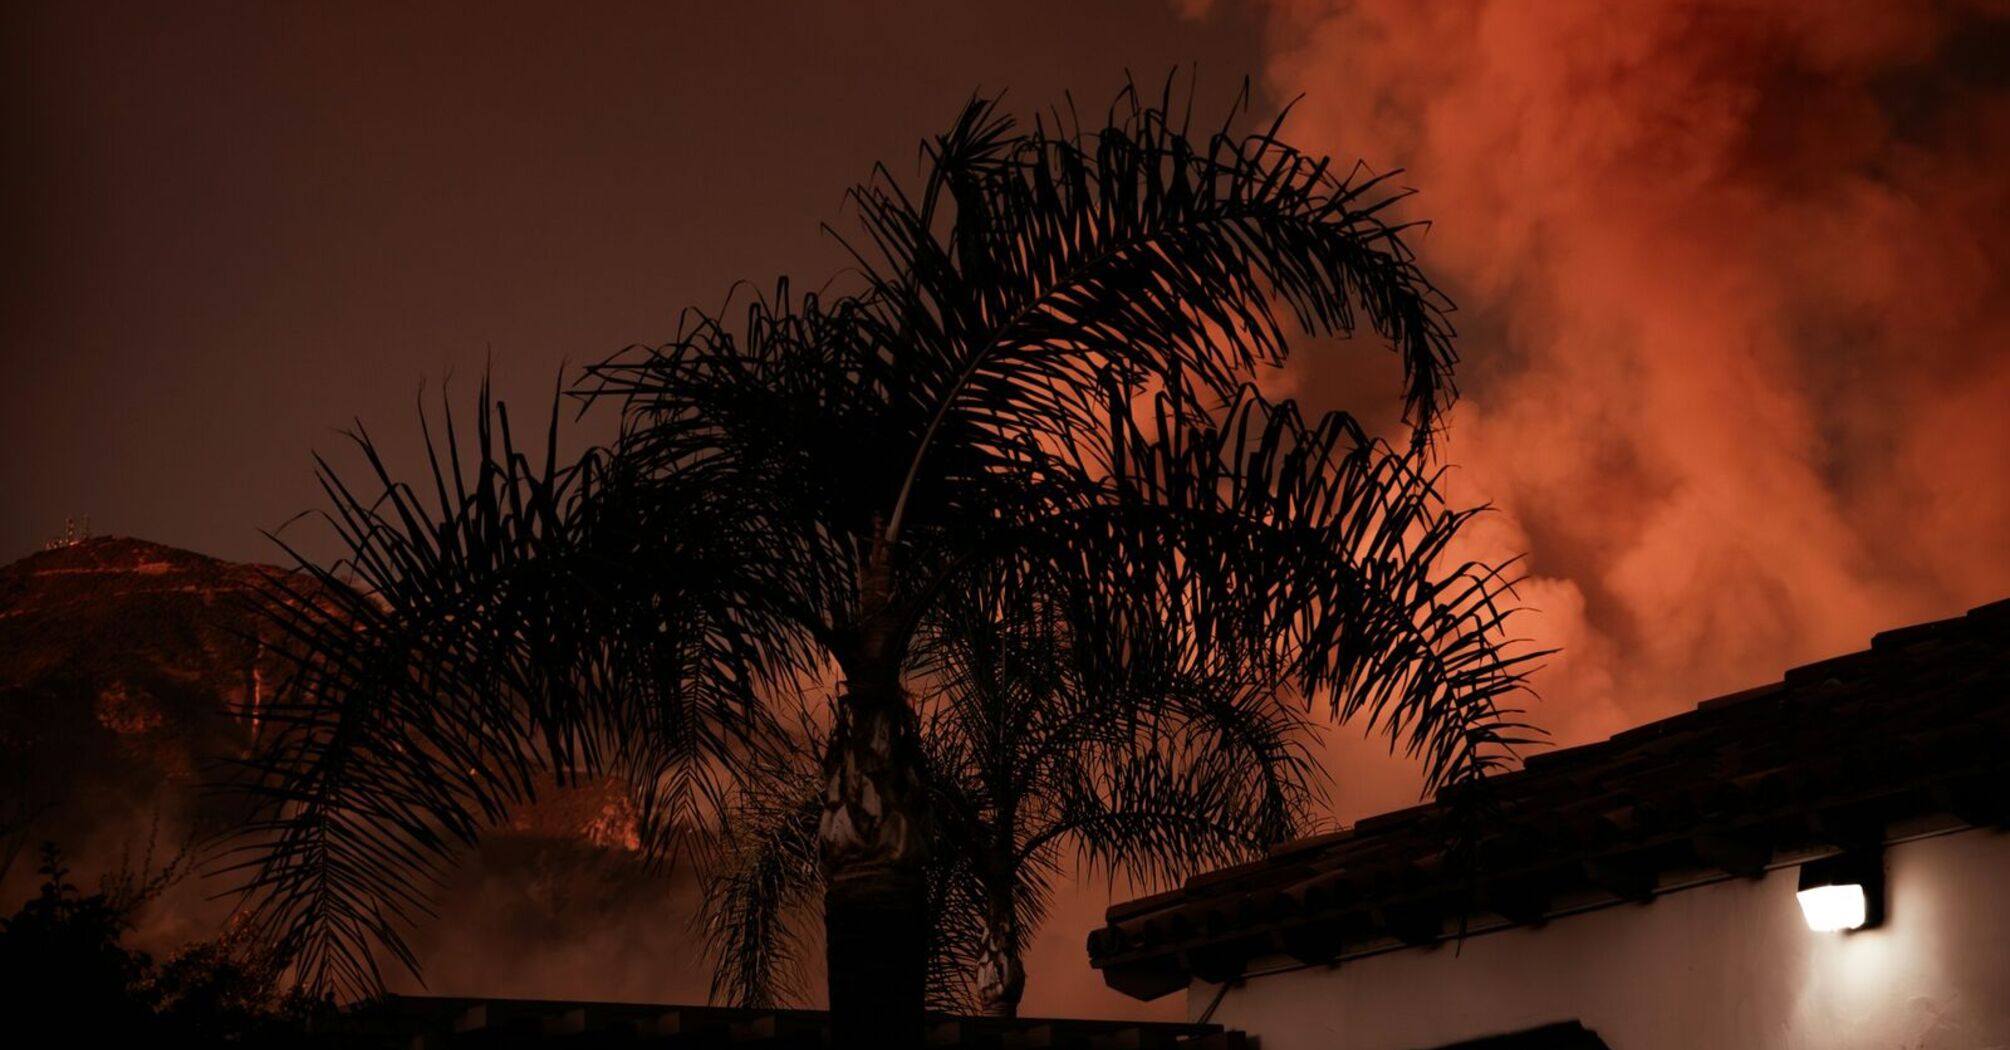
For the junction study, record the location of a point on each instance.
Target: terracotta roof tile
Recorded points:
(436, 1022)
(1910, 729)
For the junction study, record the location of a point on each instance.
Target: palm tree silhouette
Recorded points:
(1030, 776)
(1040, 384)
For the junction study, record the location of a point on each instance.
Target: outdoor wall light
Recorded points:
(1843, 892)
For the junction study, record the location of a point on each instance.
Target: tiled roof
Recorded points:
(1567, 1035)
(434, 1022)
(1907, 736)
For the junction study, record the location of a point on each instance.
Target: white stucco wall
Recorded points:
(1727, 965)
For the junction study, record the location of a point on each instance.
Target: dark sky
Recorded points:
(230, 229)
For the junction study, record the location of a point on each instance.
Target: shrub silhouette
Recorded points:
(67, 947)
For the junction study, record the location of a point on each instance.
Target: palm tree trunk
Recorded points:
(876, 892)
(1001, 975)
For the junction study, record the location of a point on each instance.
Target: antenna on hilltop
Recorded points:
(72, 535)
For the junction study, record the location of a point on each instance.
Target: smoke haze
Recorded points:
(1732, 279)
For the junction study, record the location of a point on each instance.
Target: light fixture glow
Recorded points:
(1832, 908)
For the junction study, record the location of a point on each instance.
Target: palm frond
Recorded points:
(507, 627)
(1032, 265)
(1301, 552)
(769, 877)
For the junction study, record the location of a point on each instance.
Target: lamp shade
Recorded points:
(1832, 908)
(1843, 892)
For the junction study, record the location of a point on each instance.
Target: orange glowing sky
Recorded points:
(1732, 273)
(1735, 274)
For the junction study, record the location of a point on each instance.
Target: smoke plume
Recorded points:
(1732, 278)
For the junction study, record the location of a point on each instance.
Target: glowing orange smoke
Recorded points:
(1733, 288)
